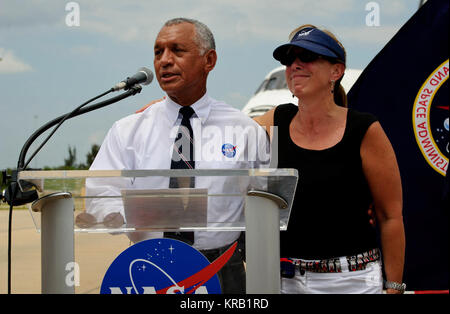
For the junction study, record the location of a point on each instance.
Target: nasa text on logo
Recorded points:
(163, 266)
(228, 150)
(431, 119)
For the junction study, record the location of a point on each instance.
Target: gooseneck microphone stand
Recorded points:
(20, 193)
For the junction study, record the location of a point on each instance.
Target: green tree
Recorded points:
(3, 180)
(91, 154)
(69, 163)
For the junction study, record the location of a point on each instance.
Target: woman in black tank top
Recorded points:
(345, 164)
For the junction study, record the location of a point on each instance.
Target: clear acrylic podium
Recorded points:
(136, 202)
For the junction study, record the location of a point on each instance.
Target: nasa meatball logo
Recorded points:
(431, 119)
(164, 266)
(229, 150)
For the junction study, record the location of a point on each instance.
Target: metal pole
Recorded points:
(262, 242)
(57, 242)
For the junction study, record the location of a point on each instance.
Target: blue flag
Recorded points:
(406, 87)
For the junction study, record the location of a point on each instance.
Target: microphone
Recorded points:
(144, 76)
(14, 195)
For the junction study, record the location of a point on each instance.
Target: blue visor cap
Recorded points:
(314, 40)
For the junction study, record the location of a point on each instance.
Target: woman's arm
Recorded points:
(383, 176)
(266, 121)
(149, 104)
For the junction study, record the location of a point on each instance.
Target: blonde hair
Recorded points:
(340, 96)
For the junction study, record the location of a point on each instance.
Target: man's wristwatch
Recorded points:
(395, 285)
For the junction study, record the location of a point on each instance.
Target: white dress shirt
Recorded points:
(224, 138)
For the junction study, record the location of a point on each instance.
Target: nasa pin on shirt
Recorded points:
(224, 137)
(229, 150)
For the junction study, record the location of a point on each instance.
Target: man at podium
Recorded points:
(187, 130)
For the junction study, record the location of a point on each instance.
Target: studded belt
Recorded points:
(333, 265)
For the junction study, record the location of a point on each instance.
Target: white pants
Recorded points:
(367, 281)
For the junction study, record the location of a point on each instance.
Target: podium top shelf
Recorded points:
(135, 194)
(110, 183)
(72, 174)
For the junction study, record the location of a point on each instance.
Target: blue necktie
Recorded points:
(183, 158)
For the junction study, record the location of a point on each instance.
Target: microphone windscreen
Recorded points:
(149, 75)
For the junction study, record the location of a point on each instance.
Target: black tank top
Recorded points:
(329, 214)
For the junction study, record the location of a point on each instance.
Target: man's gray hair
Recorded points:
(204, 36)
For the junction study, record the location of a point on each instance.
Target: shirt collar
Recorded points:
(202, 108)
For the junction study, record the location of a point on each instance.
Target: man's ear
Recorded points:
(211, 59)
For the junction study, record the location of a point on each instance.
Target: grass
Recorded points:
(6, 207)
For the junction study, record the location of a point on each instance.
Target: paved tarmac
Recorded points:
(94, 253)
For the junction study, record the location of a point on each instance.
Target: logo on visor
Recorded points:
(304, 33)
(229, 150)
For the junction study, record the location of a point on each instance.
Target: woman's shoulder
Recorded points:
(286, 108)
(272, 117)
(358, 123)
(284, 112)
(361, 119)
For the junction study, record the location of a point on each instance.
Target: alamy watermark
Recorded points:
(73, 274)
(73, 17)
(373, 17)
(234, 143)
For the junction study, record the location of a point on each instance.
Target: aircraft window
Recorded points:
(257, 112)
(261, 87)
(276, 81)
(271, 84)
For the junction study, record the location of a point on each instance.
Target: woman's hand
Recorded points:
(149, 104)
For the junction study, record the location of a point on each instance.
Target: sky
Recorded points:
(56, 54)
